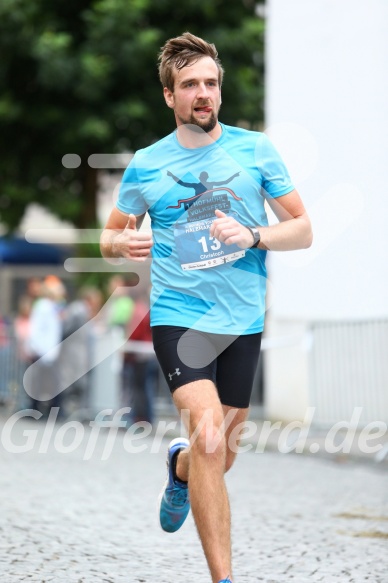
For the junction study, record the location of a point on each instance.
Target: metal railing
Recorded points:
(348, 368)
(12, 369)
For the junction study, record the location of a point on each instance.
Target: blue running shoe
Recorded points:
(225, 581)
(174, 498)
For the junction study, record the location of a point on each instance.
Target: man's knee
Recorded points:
(209, 440)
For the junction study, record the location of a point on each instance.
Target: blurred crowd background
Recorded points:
(46, 317)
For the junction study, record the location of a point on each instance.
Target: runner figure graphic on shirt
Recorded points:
(204, 185)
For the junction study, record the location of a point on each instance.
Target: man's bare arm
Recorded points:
(294, 228)
(292, 232)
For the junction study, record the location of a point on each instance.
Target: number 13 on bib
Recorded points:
(198, 250)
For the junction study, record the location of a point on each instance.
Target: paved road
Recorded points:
(296, 518)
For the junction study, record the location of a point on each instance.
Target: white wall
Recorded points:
(327, 111)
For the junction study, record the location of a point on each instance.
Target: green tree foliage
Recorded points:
(80, 76)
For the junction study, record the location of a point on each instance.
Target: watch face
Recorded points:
(256, 235)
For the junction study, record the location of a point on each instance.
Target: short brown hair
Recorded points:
(182, 51)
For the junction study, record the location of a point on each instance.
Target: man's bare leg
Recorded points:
(204, 466)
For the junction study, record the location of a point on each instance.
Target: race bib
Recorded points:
(198, 250)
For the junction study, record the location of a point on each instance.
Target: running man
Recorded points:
(208, 278)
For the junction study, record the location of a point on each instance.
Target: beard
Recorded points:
(199, 126)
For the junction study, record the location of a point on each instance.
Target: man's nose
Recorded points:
(202, 90)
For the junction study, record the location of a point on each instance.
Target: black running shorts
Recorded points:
(187, 355)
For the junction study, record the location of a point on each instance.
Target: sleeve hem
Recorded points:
(129, 211)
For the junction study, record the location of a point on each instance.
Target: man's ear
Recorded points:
(169, 97)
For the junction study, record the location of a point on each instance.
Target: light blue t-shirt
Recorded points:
(197, 282)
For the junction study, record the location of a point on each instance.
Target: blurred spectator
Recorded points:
(140, 369)
(44, 344)
(120, 307)
(4, 336)
(21, 329)
(4, 360)
(21, 325)
(79, 333)
(34, 288)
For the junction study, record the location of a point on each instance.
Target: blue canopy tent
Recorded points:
(18, 251)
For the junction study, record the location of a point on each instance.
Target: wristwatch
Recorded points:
(256, 236)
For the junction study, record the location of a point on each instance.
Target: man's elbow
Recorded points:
(308, 235)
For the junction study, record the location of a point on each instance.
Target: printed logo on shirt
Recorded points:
(204, 202)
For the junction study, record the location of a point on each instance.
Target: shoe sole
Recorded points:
(159, 501)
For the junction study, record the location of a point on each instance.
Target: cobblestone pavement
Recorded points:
(296, 518)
